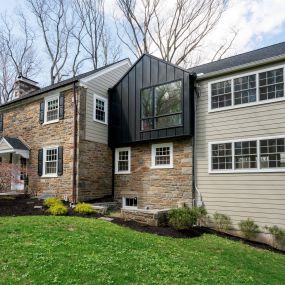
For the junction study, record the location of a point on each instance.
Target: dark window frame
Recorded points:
(154, 117)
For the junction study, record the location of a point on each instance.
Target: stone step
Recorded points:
(105, 206)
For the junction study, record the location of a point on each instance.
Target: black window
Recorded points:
(245, 89)
(245, 154)
(131, 202)
(271, 84)
(161, 106)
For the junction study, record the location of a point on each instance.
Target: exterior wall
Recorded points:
(158, 188)
(260, 196)
(22, 120)
(95, 131)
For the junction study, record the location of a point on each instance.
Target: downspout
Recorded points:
(113, 174)
(75, 133)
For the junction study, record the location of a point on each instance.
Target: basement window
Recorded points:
(130, 203)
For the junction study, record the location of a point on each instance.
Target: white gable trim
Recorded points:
(9, 149)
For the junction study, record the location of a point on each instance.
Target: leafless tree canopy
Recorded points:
(175, 32)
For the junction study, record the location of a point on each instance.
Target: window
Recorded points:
(221, 94)
(52, 109)
(50, 161)
(222, 156)
(245, 154)
(123, 160)
(161, 106)
(162, 155)
(271, 84)
(130, 202)
(260, 155)
(245, 89)
(272, 153)
(240, 91)
(100, 109)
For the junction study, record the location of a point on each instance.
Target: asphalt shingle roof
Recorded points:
(240, 59)
(16, 143)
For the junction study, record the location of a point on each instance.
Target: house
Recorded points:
(57, 135)
(162, 137)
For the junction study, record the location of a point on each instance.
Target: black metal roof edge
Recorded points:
(61, 84)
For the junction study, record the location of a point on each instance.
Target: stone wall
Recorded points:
(22, 120)
(158, 188)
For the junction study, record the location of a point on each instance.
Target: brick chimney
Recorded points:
(23, 86)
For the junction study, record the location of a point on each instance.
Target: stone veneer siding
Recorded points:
(158, 188)
(22, 120)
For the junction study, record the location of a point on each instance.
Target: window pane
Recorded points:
(221, 94)
(168, 121)
(51, 161)
(168, 98)
(162, 155)
(222, 156)
(245, 89)
(123, 160)
(271, 84)
(146, 103)
(246, 155)
(100, 114)
(52, 110)
(131, 202)
(272, 153)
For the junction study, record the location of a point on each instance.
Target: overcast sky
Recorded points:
(259, 22)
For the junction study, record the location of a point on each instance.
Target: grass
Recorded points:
(72, 250)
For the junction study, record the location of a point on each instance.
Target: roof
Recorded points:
(61, 84)
(240, 59)
(16, 143)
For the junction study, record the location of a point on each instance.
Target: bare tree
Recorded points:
(56, 26)
(175, 31)
(17, 55)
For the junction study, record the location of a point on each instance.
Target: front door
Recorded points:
(18, 173)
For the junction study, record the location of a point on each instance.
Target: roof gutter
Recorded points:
(241, 67)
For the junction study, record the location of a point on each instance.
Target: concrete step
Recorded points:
(103, 207)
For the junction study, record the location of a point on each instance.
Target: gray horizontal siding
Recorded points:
(95, 131)
(260, 196)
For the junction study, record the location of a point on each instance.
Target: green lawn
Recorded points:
(72, 250)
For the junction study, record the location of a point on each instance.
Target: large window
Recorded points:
(255, 88)
(123, 160)
(161, 106)
(100, 109)
(52, 109)
(50, 161)
(248, 155)
(162, 155)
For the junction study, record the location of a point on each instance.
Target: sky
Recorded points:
(259, 23)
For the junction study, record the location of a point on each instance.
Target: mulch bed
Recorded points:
(24, 206)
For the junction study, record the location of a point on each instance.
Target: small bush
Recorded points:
(84, 208)
(52, 201)
(201, 214)
(58, 210)
(182, 218)
(222, 221)
(278, 233)
(249, 228)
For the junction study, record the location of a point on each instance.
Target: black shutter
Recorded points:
(40, 162)
(42, 112)
(61, 106)
(60, 161)
(1, 122)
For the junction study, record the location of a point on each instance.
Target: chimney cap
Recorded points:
(27, 80)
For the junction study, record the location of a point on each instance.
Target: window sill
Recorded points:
(51, 122)
(49, 176)
(100, 122)
(162, 167)
(245, 171)
(123, 172)
(129, 208)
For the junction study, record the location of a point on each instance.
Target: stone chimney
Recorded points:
(23, 86)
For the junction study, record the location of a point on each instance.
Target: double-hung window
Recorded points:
(50, 161)
(123, 160)
(259, 155)
(161, 106)
(100, 109)
(162, 155)
(254, 88)
(51, 109)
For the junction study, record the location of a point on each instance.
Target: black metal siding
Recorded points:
(124, 100)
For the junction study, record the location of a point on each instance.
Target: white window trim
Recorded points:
(105, 100)
(128, 149)
(153, 152)
(47, 99)
(249, 170)
(128, 207)
(54, 175)
(257, 102)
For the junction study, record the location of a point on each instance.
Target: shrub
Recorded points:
(201, 213)
(277, 232)
(84, 208)
(52, 201)
(249, 228)
(58, 210)
(222, 221)
(182, 218)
